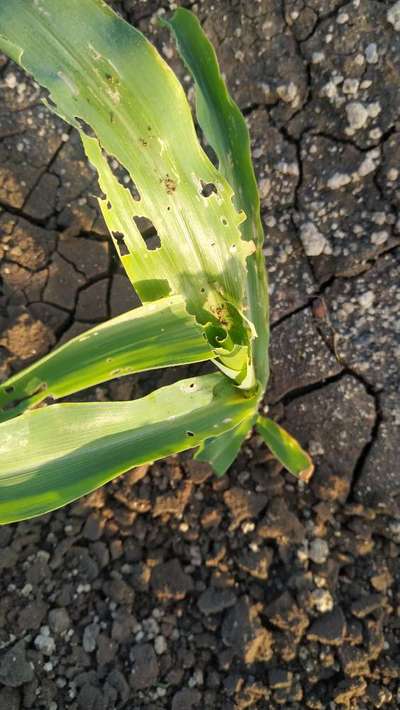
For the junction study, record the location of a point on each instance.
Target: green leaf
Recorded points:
(159, 334)
(221, 451)
(225, 129)
(53, 455)
(285, 448)
(105, 77)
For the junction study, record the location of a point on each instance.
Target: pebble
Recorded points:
(44, 642)
(264, 186)
(90, 635)
(160, 645)
(322, 600)
(350, 86)
(338, 180)
(59, 620)
(313, 241)
(11, 80)
(357, 115)
(145, 667)
(213, 601)
(15, 670)
(371, 53)
(379, 237)
(366, 299)
(287, 92)
(393, 16)
(318, 551)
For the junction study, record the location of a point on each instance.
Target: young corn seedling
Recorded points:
(204, 290)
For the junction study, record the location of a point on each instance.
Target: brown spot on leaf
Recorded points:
(169, 184)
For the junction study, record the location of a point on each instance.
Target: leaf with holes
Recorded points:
(158, 334)
(201, 275)
(54, 455)
(88, 60)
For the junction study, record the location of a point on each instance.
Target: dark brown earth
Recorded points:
(169, 588)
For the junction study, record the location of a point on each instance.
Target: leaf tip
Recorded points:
(307, 473)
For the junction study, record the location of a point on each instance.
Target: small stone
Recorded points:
(145, 668)
(322, 600)
(59, 620)
(160, 645)
(8, 558)
(186, 699)
(90, 634)
(279, 678)
(287, 92)
(44, 642)
(379, 238)
(264, 186)
(106, 650)
(393, 16)
(383, 581)
(350, 86)
(121, 592)
(357, 115)
(371, 53)
(15, 670)
(313, 241)
(318, 551)
(213, 601)
(329, 628)
(32, 616)
(366, 299)
(338, 180)
(366, 167)
(93, 528)
(90, 698)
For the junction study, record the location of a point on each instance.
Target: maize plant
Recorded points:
(203, 290)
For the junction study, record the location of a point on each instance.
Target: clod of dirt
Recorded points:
(170, 582)
(15, 669)
(329, 628)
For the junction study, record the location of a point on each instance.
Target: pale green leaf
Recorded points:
(53, 455)
(226, 131)
(158, 334)
(285, 448)
(104, 76)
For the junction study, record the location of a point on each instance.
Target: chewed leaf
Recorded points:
(225, 129)
(53, 455)
(158, 334)
(108, 81)
(285, 448)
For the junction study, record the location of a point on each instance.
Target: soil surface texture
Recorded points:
(169, 588)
